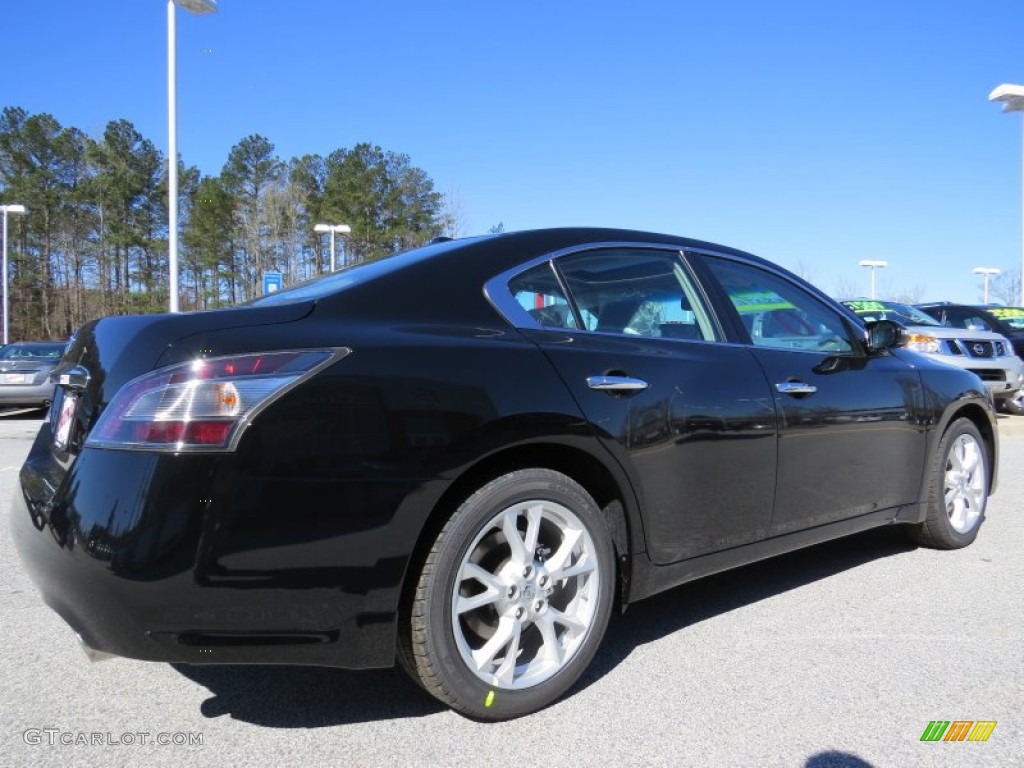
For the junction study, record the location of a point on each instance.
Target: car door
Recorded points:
(850, 441)
(690, 418)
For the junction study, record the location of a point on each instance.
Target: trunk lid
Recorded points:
(107, 353)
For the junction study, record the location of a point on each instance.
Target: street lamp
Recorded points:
(11, 208)
(873, 264)
(1012, 97)
(987, 272)
(199, 7)
(341, 229)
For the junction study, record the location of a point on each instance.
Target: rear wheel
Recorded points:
(514, 597)
(957, 489)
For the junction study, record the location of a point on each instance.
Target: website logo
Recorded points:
(958, 730)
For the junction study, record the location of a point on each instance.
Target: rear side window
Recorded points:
(538, 292)
(636, 292)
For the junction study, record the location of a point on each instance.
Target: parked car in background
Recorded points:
(1007, 321)
(25, 368)
(463, 456)
(989, 355)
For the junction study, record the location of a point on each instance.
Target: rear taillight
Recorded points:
(203, 405)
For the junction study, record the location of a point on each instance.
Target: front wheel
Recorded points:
(1014, 404)
(957, 489)
(514, 597)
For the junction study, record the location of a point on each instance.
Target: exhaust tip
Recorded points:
(92, 654)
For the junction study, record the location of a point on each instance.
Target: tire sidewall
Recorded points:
(477, 511)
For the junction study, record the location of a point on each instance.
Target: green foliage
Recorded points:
(94, 241)
(390, 204)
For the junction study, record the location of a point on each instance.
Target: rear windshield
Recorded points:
(32, 352)
(361, 273)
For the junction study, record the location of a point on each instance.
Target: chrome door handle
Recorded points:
(795, 388)
(616, 383)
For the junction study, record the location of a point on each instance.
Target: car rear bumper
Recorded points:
(26, 394)
(137, 571)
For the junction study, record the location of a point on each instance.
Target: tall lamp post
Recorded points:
(987, 272)
(10, 208)
(1012, 97)
(873, 264)
(340, 229)
(198, 7)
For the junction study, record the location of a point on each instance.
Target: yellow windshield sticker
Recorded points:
(1006, 311)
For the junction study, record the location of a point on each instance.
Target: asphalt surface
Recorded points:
(838, 655)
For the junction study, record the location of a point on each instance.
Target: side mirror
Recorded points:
(885, 334)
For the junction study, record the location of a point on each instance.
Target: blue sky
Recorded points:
(815, 134)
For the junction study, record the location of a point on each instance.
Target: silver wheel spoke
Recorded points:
(569, 540)
(510, 527)
(466, 604)
(951, 495)
(566, 620)
(506, 672)
(501, 637)
(553, 651)
(488, 579)
(975, 497)
(533, 517)
(580, 567)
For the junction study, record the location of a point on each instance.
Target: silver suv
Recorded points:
(987, 354)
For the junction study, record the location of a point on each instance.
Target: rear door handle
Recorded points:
(795, 388)
(616, 383)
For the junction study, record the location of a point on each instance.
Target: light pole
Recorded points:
(1012, 97)
(341, 229)
(199, 7)
(10, 208)
(987, 272)
(873, 264)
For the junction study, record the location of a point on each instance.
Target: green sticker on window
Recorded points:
(865, 306)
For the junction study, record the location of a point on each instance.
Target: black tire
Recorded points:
(473, 561)
(961, 464)
(1013, 404)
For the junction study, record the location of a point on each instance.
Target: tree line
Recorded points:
(94, 239)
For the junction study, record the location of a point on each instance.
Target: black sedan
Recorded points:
(465, 455)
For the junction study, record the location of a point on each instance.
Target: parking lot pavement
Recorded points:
(840, 655)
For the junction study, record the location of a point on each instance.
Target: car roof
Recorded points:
(474, 260)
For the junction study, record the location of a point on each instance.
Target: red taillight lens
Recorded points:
(202, 405)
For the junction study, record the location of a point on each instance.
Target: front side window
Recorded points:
(778, 313)
(636, 292)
